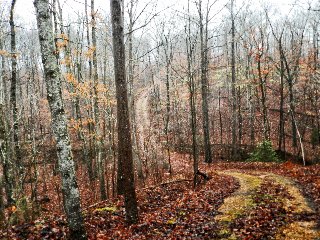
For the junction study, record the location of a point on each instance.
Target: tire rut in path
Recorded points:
(241, 200)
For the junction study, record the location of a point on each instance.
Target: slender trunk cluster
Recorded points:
(204, 83)
(96, 115)
(192, 98)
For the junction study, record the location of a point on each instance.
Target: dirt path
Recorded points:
(142, 118)
(242, 200)
(147, 137)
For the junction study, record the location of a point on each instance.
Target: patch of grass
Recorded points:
(172, 221)
(297, 203)
(111, 209)
(256, 221)
(241, 200)
(299, 231)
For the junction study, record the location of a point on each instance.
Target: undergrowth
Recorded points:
(264, 153)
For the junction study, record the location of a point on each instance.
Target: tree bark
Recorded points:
(192, 99)
(125, 160)
(233, 85)
(204, 84)
(262, 86)
(281, 143)
(59, 123)
(220, 117)
(131, 69)
(98, 135)
(6, 165)
(168, 56)
(13, 90)
(90, 127)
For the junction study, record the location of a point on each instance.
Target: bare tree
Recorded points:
(203, 22)
(98, 137)
(131, 69)
(190, 51)
(261, 48)
(233, 84)
(59, 122)
(281, 70)
(13, 90)
(125, 160)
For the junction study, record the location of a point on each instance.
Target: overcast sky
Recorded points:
(25, 9)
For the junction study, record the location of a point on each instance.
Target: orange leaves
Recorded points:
(88, 121)
(13, 209)
(288, 165)
(3, 53)
(83, 89)
(70, 78)
(257, 57)
(75, 52)
(81, 125)
(101, 236)
(265, 71)
(66, 61)
(63, 41)
(15, 55)
(75, 124)
(61, 44)
(89, 54)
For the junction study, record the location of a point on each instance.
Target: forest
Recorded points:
(147, 119)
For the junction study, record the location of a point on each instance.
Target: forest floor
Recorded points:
(240, 201)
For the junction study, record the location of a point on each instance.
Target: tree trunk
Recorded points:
(233, 85)
(292, 109)
(262, 86)
(239, 116)
(59, 123)
(204, 85)
(250, 99)
(13, 90)
(125, 161)
(6, 165)
(193, 119)
(168, 56)
(220, 117)
(98, 135)
(90, 127)
(131, 67)
(281, 143)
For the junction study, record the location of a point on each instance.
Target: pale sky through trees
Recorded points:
(25, 9)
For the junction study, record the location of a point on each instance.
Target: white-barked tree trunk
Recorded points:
(59, 124)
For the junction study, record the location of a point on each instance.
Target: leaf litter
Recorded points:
(272, 195)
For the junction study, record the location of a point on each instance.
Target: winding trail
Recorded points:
(147, 137)
(241, 200)
(142, 118)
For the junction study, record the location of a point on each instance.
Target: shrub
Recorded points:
(264, 153)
